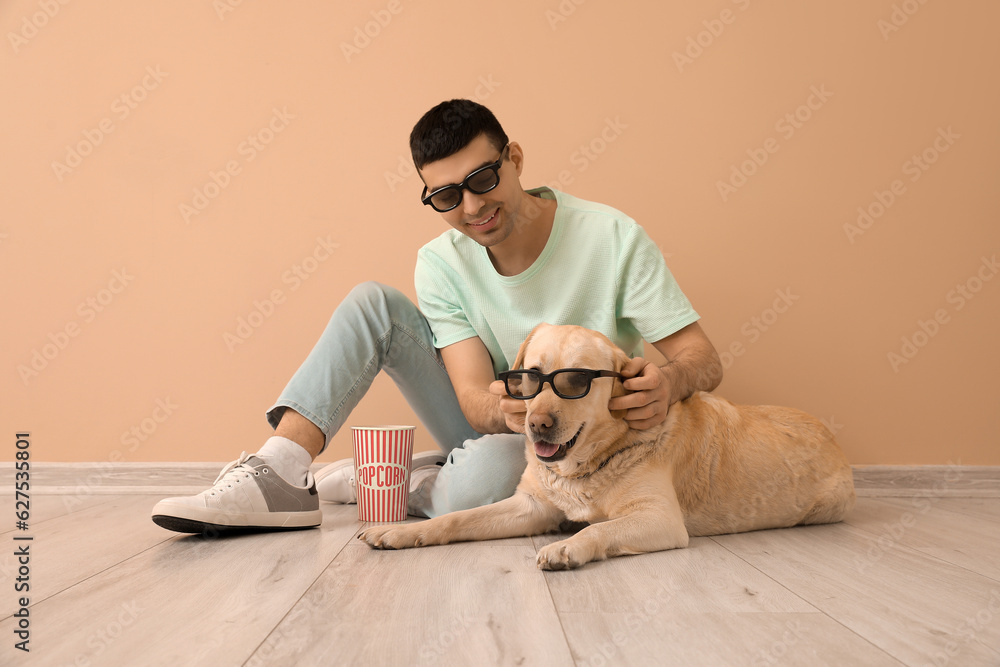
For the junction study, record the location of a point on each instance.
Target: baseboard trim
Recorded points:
(188, 478)
(930, 481)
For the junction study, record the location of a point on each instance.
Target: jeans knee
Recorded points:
(490, 470)
(372, 296)
(367, 294)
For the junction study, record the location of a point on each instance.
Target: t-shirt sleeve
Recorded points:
(439, 302)
(648, 295)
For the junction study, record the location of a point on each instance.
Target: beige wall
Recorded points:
(668, 100)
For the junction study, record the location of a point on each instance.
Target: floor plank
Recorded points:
(907, 603)
(44, 508)
(923, 524)
(457, 604)
(650, 635)
(187, 600)
(111, 588)
(69, 548)
(704, 577)
(986, 509)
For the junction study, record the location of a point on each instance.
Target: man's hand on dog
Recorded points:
(649, 403)
(514, 411)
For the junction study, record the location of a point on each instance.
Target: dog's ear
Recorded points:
(522, 351)
(620, 361)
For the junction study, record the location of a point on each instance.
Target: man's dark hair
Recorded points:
(451, 126)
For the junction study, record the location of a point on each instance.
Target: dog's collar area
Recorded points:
(606, 461)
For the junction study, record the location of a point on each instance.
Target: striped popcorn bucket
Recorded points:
(382, 458)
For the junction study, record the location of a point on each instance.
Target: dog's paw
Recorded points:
(391, 537)
(562, 555)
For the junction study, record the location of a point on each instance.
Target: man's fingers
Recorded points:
(645, 417)
(643, 413)
(618, 403)
(629, 401)
(649, 378)
(639, 383)
(633, 367)
(498, 388)
(644, 424)
(509, 405)
(638, 419)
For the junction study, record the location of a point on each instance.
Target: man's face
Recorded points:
(487, 219)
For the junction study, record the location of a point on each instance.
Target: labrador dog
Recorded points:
(710, 468)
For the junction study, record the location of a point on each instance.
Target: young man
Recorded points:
(515, 258)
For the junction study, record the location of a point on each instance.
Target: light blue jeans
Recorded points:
(379, 328)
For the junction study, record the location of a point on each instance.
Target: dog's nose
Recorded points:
(541, 422)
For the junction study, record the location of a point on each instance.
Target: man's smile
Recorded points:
(486, 222)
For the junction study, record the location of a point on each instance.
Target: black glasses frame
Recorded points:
(464, 185)
(550, 378)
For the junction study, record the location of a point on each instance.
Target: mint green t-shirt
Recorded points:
(599, 269)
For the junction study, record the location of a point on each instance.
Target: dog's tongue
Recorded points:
(545, 449)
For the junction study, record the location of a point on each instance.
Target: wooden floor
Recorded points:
(904, 581)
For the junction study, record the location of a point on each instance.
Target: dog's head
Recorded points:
(567, 433)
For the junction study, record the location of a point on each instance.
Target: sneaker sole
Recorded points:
(208, 529)
(203, 519)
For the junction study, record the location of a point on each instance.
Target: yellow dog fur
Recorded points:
(710, 468)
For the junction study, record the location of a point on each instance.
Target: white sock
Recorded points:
(288, 458)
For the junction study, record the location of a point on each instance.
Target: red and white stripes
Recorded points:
(382, 457)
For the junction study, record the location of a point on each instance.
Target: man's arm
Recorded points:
(480, 396)
(692, 365)
(692, 362)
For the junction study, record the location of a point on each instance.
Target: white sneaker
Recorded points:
(335, 483)
(247, 494)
